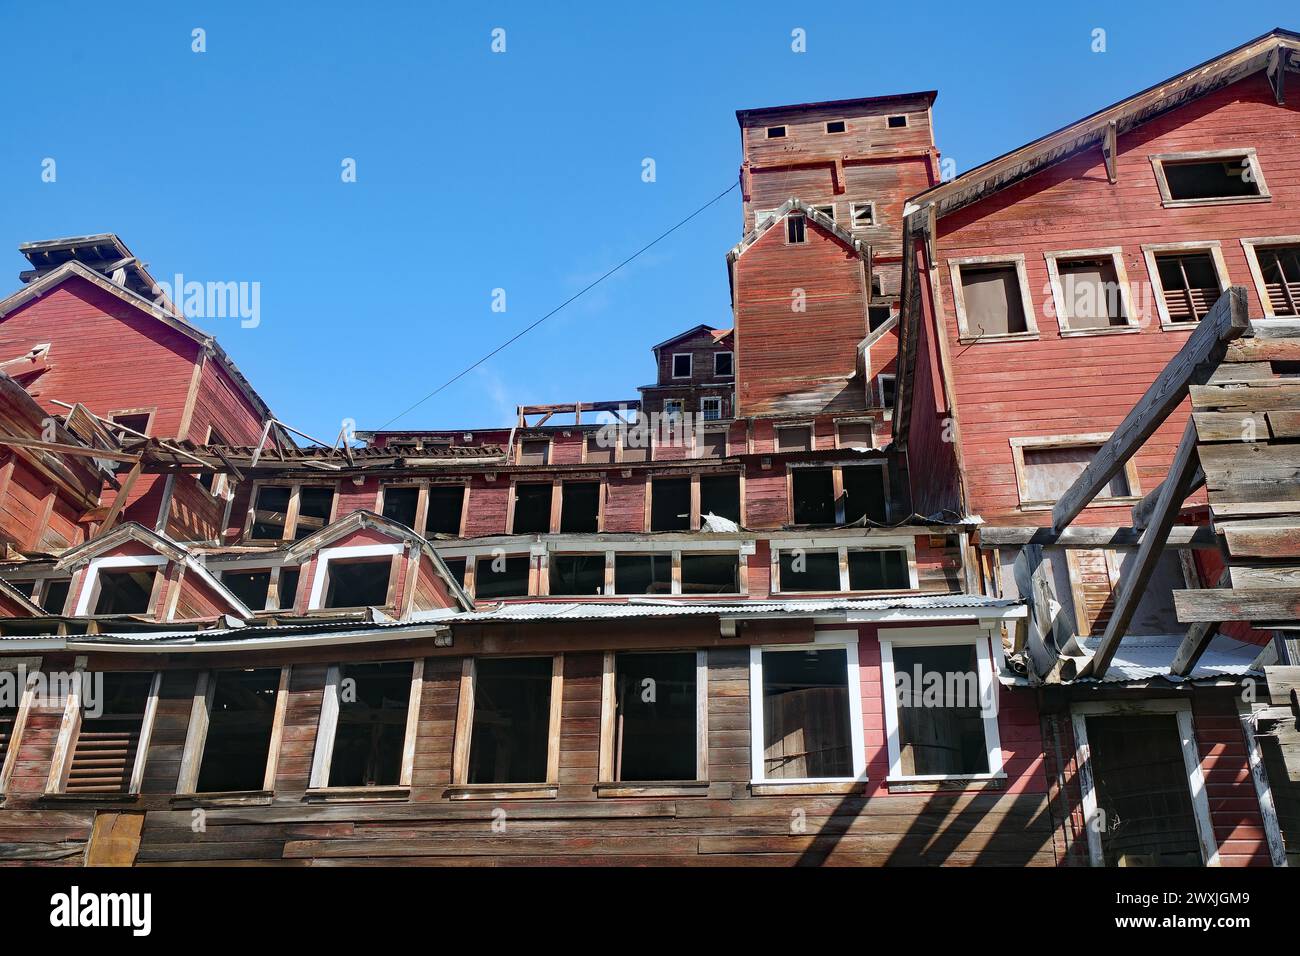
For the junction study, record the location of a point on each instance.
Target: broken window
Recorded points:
(835, 126)
(827, 211)
(579, 574)
(775, 132)
(512, 719)
(55, 596)
(446, 505)
(401, 504)
(362, 582)
(863, 214)
(803, 570)
(710, 573)
(1090, 293)
(670, 504)
(795, 228)
(897, 122)
(1050, 471)
(654, 717)
(112, 717)
(238, 739)
(26, 588)
(724, 364)
(794, 439)
(315, 504)
(806, 714)
(251, 587)
(1280, 267)
(939, 713)
(1189, 284)
(124, 592)
(1141, 784)
(885, 386)
(813, 490)
(600, 447)
(371, 730)
(879, 569)
(643, 573)
(1228, 178)
(864, 493)
(501, 576)
(136, 421)
(580, 507)
(534, 451)
(682, 364)
(992, 300)
(720, 495)
(270, 511)
(288, 587)
(532, 509)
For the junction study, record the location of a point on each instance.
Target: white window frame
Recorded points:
(763, 215)
(786, 223)
(966, 335)
(1246, 153)
(674, 408)
(326, 555)
(783, 127)
(326, 729)
(1116, 256)
(1151, 250)
(1251, 247)
(988, 691)
(1182, 711)
(1019, 444)
(822, 641)
(732, 373)
(89, 595)
(690, 365)
(705, 402)
(853, 215)
(841, 547)
(880, 392)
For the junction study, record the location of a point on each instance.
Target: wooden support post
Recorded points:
(1143, 509)
(1108, 152)
(122, 495)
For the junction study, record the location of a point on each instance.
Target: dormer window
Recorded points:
(275, 517)
(125, 591)
(358, 583)
(776, 132)
(835, 126)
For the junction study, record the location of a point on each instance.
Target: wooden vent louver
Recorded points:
(104, 755)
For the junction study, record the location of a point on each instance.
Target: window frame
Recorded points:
(837, 484)
(1153, 249)
(705, 401)
(1158, 161)
(1116, 255)
(853, 215)
(690, 365)
(890, 124)
(1251, 247)
(880, 393)
(327, 728)
(783, 127)
(196, 735)
(839, 438)
(1016, 260)
(151, 413)
(785, 220)
(1019, 444)
(904, 543)
(70, 729)
(32, 667)
(721, 352)
(291, 515)
(823, 640)
(88, 596)
(320, 575)
(844, 127)
(695, 517)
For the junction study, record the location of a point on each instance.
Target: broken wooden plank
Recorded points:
(1204, 348)
(1235, 604)
(1262, 396)
(64, 449)
(1279, 542)
(1255, 349)
(1032, 572)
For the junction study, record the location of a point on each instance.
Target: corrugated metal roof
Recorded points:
(1142, 657)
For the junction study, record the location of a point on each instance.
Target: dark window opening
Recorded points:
(710, 573)
(288, 589)
(806, 715)
(814, 495)
(1280, 266)
(670, 504)
(835, 126)
(579, 574)
(314, 508)
(724, 364)
(1189, 283)
(498, 577)
(512, 719)
(943, 739)
(864, 215)
(580, 506)
(104, 756)
(886, 391)
(682, 365)
(25, 588)
(897, 122)
(371, 730)
(654, 720)
(879, 570)
(124, 592)
(446, 505)
(360, 583)
(251, 587)
(993, 304)
(401, 504)
(56, 596)
(532, 509)
(775, 132)
(270, 511)
(643, 574)
(138, 422)
(1211, 179)
(238, 741)
(795, 228)
(1091, 293)
(720, 495)
(535, 451)
(456, 568)
(864, 493)
(877, 315)
(810, 570)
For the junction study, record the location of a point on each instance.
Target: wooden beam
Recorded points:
(1032, 571)
(1279, 542)
(1134, 584)
(122, 495)
(18, 441)
(1143, 510)
(1180, 536)
(1108, 152)
(1204, 348)
(1277, 64)
(1234, 604)
(1194, 643)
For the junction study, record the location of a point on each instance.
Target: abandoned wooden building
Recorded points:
(773, 611)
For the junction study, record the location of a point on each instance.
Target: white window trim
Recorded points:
(880, 391)
(89, 595)
(1151, 250)
(988, 690)
(1246, 152)
(732, 373)
(323, 754)
(786, 223)
(853, 215)
(959, 298)
(704, 408)
(690, 364)
(842, 548)
(1116, 255)
(1182, 710)
(783, 127)
(674, 407)
(1018, 446)
(325, 556)
(1251, 247)
(823, 641)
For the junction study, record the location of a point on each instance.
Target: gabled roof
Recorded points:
(824, 222)
(1273, 51)
(849, 106)
(717, 334)
(21, 599)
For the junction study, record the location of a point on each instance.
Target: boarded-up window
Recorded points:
(854, 434)
(636, 443)
(371, 729)
(512, 707)
(446, 504)
(992, 300)
(238, 740)
(1049, 472)
(1090, 293)
(315, 504)
(270, 511)
(670, 504)
(878, 569)
(580, 506)
(720, 495)
(794, 439)
(654, 717)
(806, 714)
(401, 505)
(1189, 283)
(814, 495)
(578, 574)
(600, 447)
(532, 509)
(940, 727)
(112, 716)
(803, 570)
(710, 573)
(713, 443)
(534, 451)
(1229, 178)
(251, 587)
(124, 591)
(498, 577)
(1142, 789)
(864, 493)
(1280, 266)
(358, 583)
(643, 573)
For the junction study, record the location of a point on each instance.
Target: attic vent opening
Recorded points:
(775, 132)
(897, 122)
(124, 592)
(359, 583)
(835, 126)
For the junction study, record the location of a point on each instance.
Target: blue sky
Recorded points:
(478, 170)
